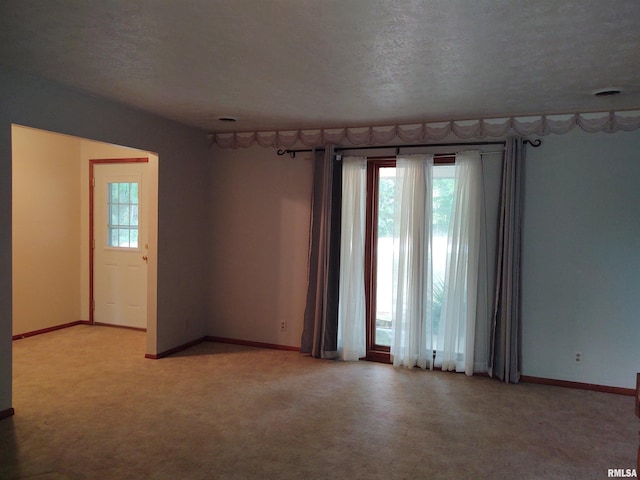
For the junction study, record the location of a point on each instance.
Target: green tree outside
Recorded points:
(442, 205)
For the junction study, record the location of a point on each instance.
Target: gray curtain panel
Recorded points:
(505, 355)
(320, 331)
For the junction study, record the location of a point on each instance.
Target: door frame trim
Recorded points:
(92, 164)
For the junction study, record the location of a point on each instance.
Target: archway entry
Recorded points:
(51, 235)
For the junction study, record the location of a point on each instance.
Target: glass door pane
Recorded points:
(384, 256)
(443, 184)
(122, 218)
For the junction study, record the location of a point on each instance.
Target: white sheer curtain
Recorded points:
(351, 307)
(412, 278)
(414, 338)
(457, 322)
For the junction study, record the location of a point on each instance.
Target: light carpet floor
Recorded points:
(90, 406)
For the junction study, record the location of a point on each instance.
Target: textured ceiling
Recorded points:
(284, 64)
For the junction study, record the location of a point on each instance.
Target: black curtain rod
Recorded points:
(292, 152)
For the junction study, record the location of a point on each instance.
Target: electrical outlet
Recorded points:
(283, 326)
(578, 357)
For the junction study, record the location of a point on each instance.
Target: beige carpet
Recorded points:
(89, 406)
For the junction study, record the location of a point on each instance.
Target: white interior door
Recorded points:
(120, 222)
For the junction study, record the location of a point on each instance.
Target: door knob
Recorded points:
(145, 258)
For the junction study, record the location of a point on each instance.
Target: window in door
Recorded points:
(379, 248)
(122, 204)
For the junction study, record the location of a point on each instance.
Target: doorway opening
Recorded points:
(51, 230)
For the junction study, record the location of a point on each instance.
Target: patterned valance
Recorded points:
(435, 131)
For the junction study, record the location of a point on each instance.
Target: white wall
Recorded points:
(46, 229)
(260, 218)
(184, 162)
(581, 258)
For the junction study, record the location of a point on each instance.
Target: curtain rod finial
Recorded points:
(534, 143)
(292, 153)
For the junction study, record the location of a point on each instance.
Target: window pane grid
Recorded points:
(122, 218)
